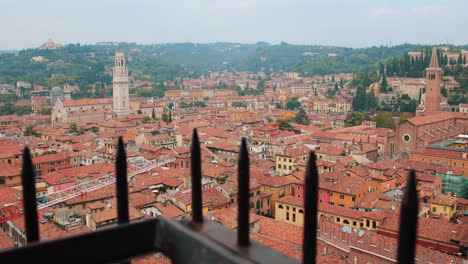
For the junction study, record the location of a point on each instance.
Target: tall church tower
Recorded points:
(120, 85)
(433, 83)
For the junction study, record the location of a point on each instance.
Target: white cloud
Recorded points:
(383, 11)
(429, 10)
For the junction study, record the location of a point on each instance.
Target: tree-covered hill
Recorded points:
(87, 63)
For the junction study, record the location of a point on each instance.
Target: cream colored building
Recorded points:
(82, 110)
(120, 86)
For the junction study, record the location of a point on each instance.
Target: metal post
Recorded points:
(29, 198)
(310, 217)
(243, 196)
(197, 204)
(408, 222)
(122, 183)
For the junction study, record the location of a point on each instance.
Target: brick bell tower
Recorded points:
(433, 83)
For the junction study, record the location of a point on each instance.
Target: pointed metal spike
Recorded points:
(408, 222)
(29, 198)
(197, 215)
(310, 206)
(243, 196)
(122, 183)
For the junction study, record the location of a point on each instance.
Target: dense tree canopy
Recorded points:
(301, 117)
(356, 118)
(385, 120)
(293, 104)
(285, 125)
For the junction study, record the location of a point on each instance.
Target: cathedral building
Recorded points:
(97, 109)
(431, 125)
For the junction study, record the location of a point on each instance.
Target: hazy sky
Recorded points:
(354, 23)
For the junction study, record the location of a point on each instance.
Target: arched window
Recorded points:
(280, 206)
(251, 205)
(367, 223)
(258, 204)
(374, 224)
(301, 211)
(346, 222)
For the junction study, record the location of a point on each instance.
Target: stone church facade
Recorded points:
(98, 109)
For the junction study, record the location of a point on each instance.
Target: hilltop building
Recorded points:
(66, 110)
(49, 45)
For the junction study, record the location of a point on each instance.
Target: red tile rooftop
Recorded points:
(9, 195)
(439, 152)
(88, 101)
(169, 210)
(5, 241)
(110, 214)
(278, 181)
(429, 228)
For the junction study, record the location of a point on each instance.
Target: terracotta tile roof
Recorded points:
(9, 195)
(110, 214)
(94, 171)
(443, 199)
(96, 205)
(169, 210)
(278, 181)
(5, 241)
(430, 228)
(87, 101)
(139, 199)
(280, 230)
(438, 152)
(55, 178)
(7, 151)
(7, 170)
(436, 117)
(348, 185)
(284, 247)
(295, 151)
(99, 194)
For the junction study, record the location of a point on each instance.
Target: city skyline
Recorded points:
(357, 23)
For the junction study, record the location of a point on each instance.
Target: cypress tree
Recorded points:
(384, 85)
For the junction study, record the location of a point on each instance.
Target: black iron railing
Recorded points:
(195, 241)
